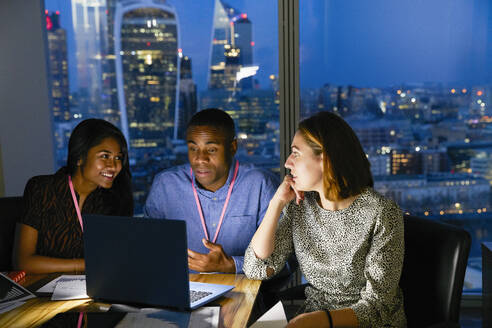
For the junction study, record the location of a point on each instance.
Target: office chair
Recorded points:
(433, 273)
(10, 211)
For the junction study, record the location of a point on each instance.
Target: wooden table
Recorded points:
(235, 306)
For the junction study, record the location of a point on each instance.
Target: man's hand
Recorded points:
(306, 320)
(215, 261)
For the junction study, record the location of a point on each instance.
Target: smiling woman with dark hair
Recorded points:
(348, 239)
(96, 180)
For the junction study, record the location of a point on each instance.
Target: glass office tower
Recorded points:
(231, 47)
(57, 48)
(146, 44)
(90, 36)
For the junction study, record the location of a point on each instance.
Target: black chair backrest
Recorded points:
(436, 256)
(10, 211)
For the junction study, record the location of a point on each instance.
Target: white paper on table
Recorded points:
(69, 288)
(205, 317)
(273, 318)
(50, 287)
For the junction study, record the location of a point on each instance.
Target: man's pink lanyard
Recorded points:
(75, 203)
(199, 206)
(79, 322)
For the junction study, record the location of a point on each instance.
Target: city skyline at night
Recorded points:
(417, 91)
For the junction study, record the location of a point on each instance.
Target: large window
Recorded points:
(149, 65)
(413, 80)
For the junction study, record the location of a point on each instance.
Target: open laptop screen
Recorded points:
(136, 260)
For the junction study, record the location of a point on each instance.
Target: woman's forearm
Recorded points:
(263, 240)
(45, 264)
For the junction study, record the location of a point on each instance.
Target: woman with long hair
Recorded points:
(348, 239)
(96, 180)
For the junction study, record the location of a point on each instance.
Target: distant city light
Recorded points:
(479, 101)
(49, 23)
(57, 12)
(242, 135)
(453, 91)
(413, 100)
(272, 77)
(148, 59)
(467, 140)
(245, 72)
(403, 95)
(417, 149)
(441, 212)
(392, 132)
(482, 104)
(457, 205)
(464, 90)
(148, 44)
(149, 23)
(382, 105)
(252, 43)
(398, 92)
(244, 16)
(426, 213)
(479, 92)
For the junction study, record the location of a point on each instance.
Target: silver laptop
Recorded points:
(142, 261)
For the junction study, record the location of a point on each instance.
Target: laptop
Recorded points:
(142, 261)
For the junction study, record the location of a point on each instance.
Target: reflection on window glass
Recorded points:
(148, 65)
(413, 81)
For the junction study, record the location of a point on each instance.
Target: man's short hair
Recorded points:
(216, 118)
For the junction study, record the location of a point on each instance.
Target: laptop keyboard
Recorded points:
(196, 295)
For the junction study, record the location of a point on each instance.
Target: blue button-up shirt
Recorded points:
(171, 197)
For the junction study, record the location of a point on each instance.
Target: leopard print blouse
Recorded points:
(351, 257)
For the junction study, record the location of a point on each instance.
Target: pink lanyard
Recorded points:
(199, 207)
(79, 322)
(75, 203)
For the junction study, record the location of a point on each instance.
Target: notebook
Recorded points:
(142, 261)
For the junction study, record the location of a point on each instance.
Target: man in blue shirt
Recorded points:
(221, 200)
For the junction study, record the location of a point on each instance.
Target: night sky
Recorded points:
(363, 43)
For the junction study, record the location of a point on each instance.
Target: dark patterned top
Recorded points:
(351, 257)
(49, 208)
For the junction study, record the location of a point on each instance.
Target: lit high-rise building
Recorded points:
(90, 31)
(187, 97)
(231, 47)
(57, 48)
(146, 47)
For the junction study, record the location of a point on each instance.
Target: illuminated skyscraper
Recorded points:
(146, 47)
(231, 46)
(187, 97)
(90, 31)
(57, 48)
(59, 87)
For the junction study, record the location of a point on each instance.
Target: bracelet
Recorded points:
(329, 318)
